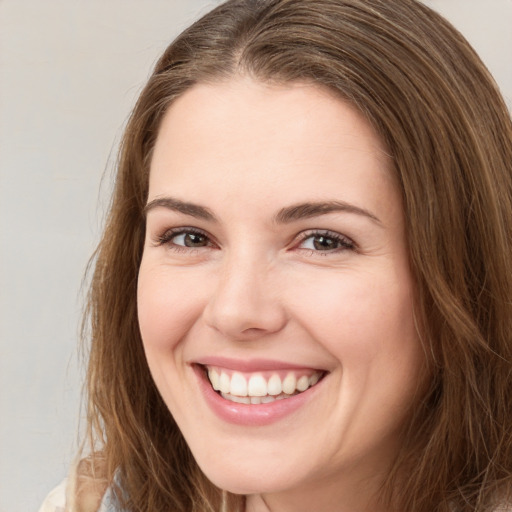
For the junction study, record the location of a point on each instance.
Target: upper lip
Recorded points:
(250, 365)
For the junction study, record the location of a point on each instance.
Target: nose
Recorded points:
(245, 304)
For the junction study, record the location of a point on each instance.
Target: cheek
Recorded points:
(354, 303)
(364, 320)
(167, 304)
(366, 323)
(167, 309)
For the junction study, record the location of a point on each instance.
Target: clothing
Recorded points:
(56, 500)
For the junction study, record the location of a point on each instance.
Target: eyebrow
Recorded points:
(194, 210)
(307, 210)
(284, 216)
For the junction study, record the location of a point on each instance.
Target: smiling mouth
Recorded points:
(261, 387)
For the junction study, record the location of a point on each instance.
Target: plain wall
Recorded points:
(70, 71)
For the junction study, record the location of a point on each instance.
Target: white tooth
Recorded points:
(257, 386)
(303, 383)
(237, 399)
(267, 399)
(224, 382)
(238, 385)
(240, 399)
(289, 383)
(314, 379)
(214, 378)
(256, 400)
(274, 385)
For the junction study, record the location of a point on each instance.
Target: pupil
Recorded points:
(194, 240)
(323, 243)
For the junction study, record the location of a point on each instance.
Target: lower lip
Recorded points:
(255, 414)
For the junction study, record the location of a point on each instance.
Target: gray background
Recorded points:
(70, 71)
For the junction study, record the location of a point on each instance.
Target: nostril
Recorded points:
(245, 325)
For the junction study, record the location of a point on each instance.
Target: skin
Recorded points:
(255, 288)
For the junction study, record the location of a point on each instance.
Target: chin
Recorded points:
(246, 484)
(247, 478)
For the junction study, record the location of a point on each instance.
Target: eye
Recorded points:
(185, 238)
(325, 241)
(190, 240)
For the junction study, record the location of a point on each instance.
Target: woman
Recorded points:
(301, 300)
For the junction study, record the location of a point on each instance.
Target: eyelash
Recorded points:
(166, 238)
(343, 243)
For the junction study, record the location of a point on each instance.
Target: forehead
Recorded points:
(249, 137)
(267, 108)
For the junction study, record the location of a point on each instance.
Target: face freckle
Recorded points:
(275, 262)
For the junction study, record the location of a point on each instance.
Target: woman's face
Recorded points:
(275, 260)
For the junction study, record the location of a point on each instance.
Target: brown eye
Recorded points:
(326, 242)
(185, 238)
(190, 239)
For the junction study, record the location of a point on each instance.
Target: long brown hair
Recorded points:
(436, 107)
